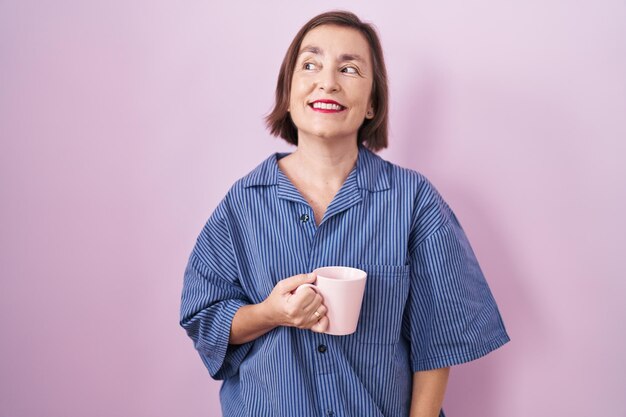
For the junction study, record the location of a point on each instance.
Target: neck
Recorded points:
(324, 162)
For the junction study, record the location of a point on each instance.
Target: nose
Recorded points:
(328, 81)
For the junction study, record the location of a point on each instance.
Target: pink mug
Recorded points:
(342, 288)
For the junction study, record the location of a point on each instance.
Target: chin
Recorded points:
(332, 135)
(329, 134)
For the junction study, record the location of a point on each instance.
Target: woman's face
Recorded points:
(332, 84)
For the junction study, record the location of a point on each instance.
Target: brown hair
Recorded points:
(373, 132)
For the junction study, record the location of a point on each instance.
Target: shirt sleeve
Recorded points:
(451, 316)
(211, 296)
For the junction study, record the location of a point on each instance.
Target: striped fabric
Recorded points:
(426, 306)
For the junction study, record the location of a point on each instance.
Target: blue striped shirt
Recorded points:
(426, 305)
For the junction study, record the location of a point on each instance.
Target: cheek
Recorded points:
(299, 87)
(365, 94)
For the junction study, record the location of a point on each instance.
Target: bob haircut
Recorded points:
(373, 132)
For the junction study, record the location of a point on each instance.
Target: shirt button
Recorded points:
(321, 348)
(330, 413)
(304, 218)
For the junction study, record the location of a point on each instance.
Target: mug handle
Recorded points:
(311, 286)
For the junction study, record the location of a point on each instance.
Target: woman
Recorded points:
(332, 201)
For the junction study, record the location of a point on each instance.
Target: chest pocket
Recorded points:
(386, 292)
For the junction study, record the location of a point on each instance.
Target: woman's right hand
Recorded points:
(287, 308)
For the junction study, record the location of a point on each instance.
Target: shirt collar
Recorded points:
(372, 172)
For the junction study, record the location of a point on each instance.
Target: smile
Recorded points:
(326, 106)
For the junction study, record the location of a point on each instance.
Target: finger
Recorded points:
(309, 305)
(322, 310)
(287, 285)
(318, 314)
(303, 298)
(321, 326)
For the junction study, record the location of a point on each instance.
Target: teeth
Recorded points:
(326, 106)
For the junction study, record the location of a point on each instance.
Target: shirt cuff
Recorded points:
(445, 361)
(221, 358)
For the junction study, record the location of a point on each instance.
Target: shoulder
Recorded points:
(243, 189)
(238, 199)
(407, 181)
(429, 210)
(263, 174)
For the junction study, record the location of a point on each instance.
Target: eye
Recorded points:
(308, 66)
(349, 70)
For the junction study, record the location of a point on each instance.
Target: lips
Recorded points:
(327, 106)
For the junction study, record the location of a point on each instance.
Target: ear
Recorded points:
(369, 114)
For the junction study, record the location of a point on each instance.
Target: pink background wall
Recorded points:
(123, 123)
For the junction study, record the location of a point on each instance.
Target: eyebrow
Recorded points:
(343, 57)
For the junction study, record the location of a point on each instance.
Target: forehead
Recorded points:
(336, 40)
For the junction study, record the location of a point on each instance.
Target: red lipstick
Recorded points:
(327, 106)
